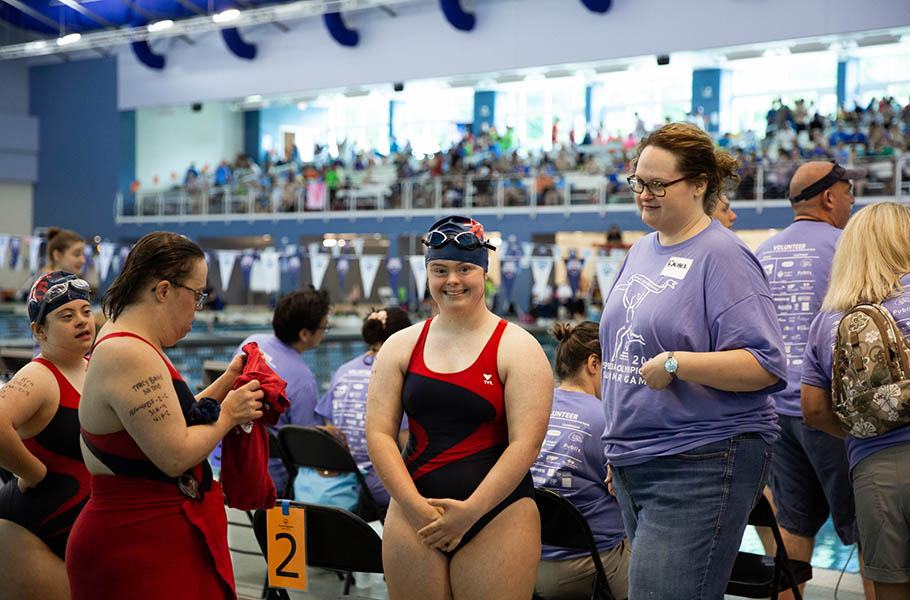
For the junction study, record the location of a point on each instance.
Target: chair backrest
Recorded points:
(335, 539)
(319, 449)
(563, 525)
(315, 448)
(762, 515)
(212, 370)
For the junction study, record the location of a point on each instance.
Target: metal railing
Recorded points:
(545, 193)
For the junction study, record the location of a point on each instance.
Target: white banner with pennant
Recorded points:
(105, 258)
(540, 272)
(265, 275)
(319, 264)
(226, 260)
(34, 248)
(419, 271)
(369, 267)
(606, 268)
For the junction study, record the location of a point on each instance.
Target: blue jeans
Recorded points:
(685, 515)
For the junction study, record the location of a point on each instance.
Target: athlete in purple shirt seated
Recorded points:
(344, 404)
(691, 350)
(571, 463)
(871, 264)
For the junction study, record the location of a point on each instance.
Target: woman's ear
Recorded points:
(39, 331)
(593, 364)
(161, 290)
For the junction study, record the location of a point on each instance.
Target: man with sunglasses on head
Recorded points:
(300, 323)
(809, 474)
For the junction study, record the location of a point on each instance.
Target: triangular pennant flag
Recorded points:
(34, 249)
(14, 245)
(319, 264)
(226, 260)
(336, 251)
(246, 267)
(419, 271)
(105, 256)
(208, 258)
(294, 267)
(369, 267)
(120, 258)
(4, 245)
(509, 268)
(89, 253)
(540, 271)
(527, 248)
(342, 264)
(574, 266)
(393, 266)
(606, 268)
(358, 246)
(265, 275)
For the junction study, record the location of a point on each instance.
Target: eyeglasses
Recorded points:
(466, 240)
(657, 189)
(57, 291)
(200, 295)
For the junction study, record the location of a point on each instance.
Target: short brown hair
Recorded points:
(157, 256)
(576, 344)
(301, 309)
(60, 239)
(695, 157)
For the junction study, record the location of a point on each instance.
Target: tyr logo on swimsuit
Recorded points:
(486, 379)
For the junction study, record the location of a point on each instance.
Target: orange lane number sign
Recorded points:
(287, 547)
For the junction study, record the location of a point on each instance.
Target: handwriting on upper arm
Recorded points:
(22, 385)
(155, 407)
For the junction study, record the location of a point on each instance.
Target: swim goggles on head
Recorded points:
(466, 240)
(56, 291)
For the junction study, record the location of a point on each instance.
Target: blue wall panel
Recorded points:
(126, 172)
(79, 141)
(252, 138)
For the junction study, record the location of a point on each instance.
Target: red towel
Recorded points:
(245, 456)
(144, 540)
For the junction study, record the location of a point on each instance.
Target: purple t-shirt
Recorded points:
(819, 364)
(302, 391)
(571, 464)
(345, 405)
(797, 262)
(706, 294)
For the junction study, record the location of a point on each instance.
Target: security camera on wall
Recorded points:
(663, 59)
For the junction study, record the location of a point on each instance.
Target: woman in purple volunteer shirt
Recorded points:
(871, 264)
(571, 464)
(691, 350)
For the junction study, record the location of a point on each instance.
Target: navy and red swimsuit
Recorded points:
(457, 427)
(49, 509)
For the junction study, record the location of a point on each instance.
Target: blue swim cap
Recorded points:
(442, 244)
(53, 290)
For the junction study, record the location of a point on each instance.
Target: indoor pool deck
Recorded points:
(250, 572)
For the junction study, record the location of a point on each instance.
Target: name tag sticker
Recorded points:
(677, 268)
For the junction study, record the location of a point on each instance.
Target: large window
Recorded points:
(428, 116)
(757, 82)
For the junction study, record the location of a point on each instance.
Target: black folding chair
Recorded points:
(561, 524)
(761, 576)
(5, 476)
(336, 539)
(319, 449)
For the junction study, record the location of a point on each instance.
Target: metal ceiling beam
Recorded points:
(145, 13)
(28, 10)
(74, 5)
(300, 9)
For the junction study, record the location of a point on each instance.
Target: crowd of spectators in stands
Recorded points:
(363, 178)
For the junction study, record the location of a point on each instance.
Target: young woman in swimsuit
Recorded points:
(462, 522)
(155, 525)
(39, 442)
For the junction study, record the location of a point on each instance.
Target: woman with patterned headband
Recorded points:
(462, 522)
(39, 442)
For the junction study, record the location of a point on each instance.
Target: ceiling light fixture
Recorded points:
(160, 25)
(70, 38)
(226, 16)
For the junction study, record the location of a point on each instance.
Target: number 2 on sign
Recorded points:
(286, 548)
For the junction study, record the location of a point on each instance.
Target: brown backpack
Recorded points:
(870, 383)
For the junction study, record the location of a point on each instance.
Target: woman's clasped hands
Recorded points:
(453, 519)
